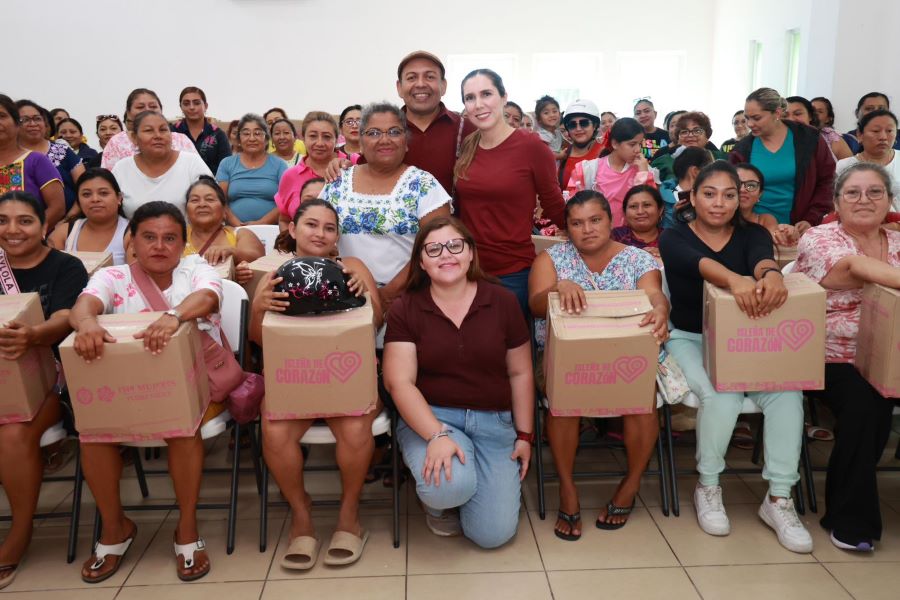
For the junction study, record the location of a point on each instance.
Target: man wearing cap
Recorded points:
(436, 133)
(581, 120)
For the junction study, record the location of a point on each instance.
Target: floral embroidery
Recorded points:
(57, 153)
(11, 179)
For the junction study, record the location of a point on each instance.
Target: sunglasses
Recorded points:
(110, 117)
(576, 123)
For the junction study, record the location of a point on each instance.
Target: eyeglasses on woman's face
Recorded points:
(454, 246)
(393, 133)
(252, 133)
(873, 193)
(750, 186)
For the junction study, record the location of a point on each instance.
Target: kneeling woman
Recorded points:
(457, 362)
(591, 260)
(718, 246)
(58, 278)
(843, 256)
(194, 290)
(315, 233)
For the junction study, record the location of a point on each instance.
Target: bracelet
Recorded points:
(525, 437)
(768, 270)
(440, 434)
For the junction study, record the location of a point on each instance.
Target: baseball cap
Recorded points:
(421, 54)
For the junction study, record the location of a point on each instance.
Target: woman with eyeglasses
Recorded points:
(692, 130)
(719, 247)
(250, 178)
(27, 171)
(209, 140)
(320, 134)
(878, 133)
(842, 257)
(383, 203)
(457, 363)
(349, 124)
(36, 129)
(121, 144)
(795, 160)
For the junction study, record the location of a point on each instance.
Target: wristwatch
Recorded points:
(174, 313)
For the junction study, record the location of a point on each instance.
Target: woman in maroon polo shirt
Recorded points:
(457, 362)
(499, 173)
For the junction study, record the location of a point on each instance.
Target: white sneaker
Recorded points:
(445, 525)
(782, 517)
(710, 510)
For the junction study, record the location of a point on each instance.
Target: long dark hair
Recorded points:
(284, 242)
(26, 198)
(418, 278)
(98, 173)
(622, 130)
(687, 213)
(470, 144)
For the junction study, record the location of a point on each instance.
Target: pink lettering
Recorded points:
(306, 376)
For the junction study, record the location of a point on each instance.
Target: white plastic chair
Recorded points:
(265, 233)
(788, 268)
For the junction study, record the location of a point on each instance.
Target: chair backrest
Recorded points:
(233, 326)
(265, 233)
(788, 268)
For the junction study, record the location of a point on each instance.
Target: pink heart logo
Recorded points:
(796, 333)
(629, 367)
(105, 394)
(84, 396)
(343, 364)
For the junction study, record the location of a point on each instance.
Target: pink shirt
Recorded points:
(609, 182)
(287, 199)
(818, 252)
(120, 146)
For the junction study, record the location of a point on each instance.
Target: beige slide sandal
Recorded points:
(301, 553)
(345, 548)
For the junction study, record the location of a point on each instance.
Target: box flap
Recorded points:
(123, 327)
(352, 317)
(13, 305)
(270, 262)
(607, 304)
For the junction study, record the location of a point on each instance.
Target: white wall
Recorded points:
(249, 55)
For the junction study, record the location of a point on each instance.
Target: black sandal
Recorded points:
(571, 520)
(614, 511)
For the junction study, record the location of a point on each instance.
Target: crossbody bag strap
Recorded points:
(8, 284)
(153, 297)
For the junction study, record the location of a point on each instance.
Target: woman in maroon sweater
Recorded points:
(499, 173)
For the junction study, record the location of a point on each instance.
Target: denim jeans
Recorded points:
(718, 413)
(486, 489)
(517, 283)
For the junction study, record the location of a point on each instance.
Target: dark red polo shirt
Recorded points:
(465, 367)
(434, 150)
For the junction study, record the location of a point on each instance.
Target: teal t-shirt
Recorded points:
(251, 192)
(780, 172)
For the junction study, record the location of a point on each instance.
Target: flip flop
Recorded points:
(614, 511)
(344, 541)
(101, 551)
(7, 581)
(190, 549)
(301, 553)
(819, 434)
(571, 520)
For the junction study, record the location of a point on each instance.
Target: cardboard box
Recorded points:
(93, 261)
(263, 265)
(225, 269)
(542, 242)
(785, 255)
(24, 383)
(319, 366)
(600, 363)
(878, 342)
(780, 352)
(130, 395)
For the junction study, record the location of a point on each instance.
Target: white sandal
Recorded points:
(101, 551)
(188, 550)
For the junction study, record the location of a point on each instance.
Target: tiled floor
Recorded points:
(652, 557)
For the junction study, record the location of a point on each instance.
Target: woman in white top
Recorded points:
(194, 290)
(103, 227)
(156, 172)
(382, 204)
(877, 134)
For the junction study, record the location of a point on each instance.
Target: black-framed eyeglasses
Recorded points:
(750, 186)
(696, 132)
(376, 134)
(573, 124)
(454, 246)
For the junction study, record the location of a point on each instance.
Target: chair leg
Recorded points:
(813, 410)
(232, 501)
(139, 471)
(264, 509)
(897, 451)
(395, 473)
(98, 528)
(539, 458)
(757, 442)
(76, 510)
(806, 464)
(256, 453)
(663, 484)
(670, 447)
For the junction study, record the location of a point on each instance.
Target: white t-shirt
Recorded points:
(171, 186)
(892, 167)
(114, 288)
(380, 229)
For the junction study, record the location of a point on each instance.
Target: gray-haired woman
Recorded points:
(381, 204)
(250, 177)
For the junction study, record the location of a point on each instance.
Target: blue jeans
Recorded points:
(486, 489)
(517, 283)
(718, 414)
